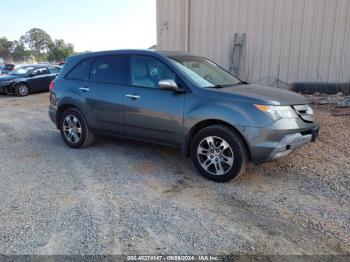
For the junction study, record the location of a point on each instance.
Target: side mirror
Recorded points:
(169, 85)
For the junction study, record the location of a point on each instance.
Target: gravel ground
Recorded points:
(125, 197)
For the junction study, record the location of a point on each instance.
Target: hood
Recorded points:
(6, 78)
(270, 95)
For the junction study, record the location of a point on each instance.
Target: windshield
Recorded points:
(7, 67)
(22, 71)
(205, 73)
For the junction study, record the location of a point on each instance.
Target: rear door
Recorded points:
(103, 92)
(151, 113)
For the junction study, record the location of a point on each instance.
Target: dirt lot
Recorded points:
(123, 197)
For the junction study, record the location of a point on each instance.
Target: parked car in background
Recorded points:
(180, 100)
(6, 68)
(28, 79)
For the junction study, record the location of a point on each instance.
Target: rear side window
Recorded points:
(110, 69)
(81, 71)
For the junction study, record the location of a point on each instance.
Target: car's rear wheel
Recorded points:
(22, 90)
(219, 153)
(75, 130)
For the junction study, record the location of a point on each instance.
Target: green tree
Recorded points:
(5, 48)
(59, 50)
(19, 52)
(38, 41)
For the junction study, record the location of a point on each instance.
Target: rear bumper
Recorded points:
(52, 115)
(280, 139)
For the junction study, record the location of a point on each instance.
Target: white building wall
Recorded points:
(290, 40)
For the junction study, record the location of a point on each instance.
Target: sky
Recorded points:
(88, 24)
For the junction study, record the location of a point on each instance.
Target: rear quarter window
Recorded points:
(80, 71)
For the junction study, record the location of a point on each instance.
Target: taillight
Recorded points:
(52, 85)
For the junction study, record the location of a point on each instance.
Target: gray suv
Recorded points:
(179, 100)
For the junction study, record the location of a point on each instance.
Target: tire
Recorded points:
(22, 90)
(219, 153)
(75, 130)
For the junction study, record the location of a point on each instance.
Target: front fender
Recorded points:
(235, 113)
(17, 82)
(21, 81)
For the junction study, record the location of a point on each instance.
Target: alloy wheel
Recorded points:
(72, 129)
(23, 90)
(215, 155)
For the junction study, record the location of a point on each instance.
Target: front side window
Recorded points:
(54, 70)
(110, 69)
(148, 71)
(40, 71)
(205, 73)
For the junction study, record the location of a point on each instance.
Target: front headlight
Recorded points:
(309, 110)
(5, 83)
(277, 112)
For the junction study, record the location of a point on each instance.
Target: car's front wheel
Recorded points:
(219, 153)
(22, 90)
(75, 130)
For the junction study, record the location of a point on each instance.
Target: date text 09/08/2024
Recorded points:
(172, 258)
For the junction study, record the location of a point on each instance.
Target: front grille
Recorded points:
(302, 111)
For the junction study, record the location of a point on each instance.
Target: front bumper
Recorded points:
(6, 88)
(289, 143)
(280, 139)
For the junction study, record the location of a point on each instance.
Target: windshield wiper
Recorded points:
(220, 86)
(228, 85)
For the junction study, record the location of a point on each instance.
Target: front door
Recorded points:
(151, 113)
(40, 80)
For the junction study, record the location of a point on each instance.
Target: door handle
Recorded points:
(134, 97)
(85, 89)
